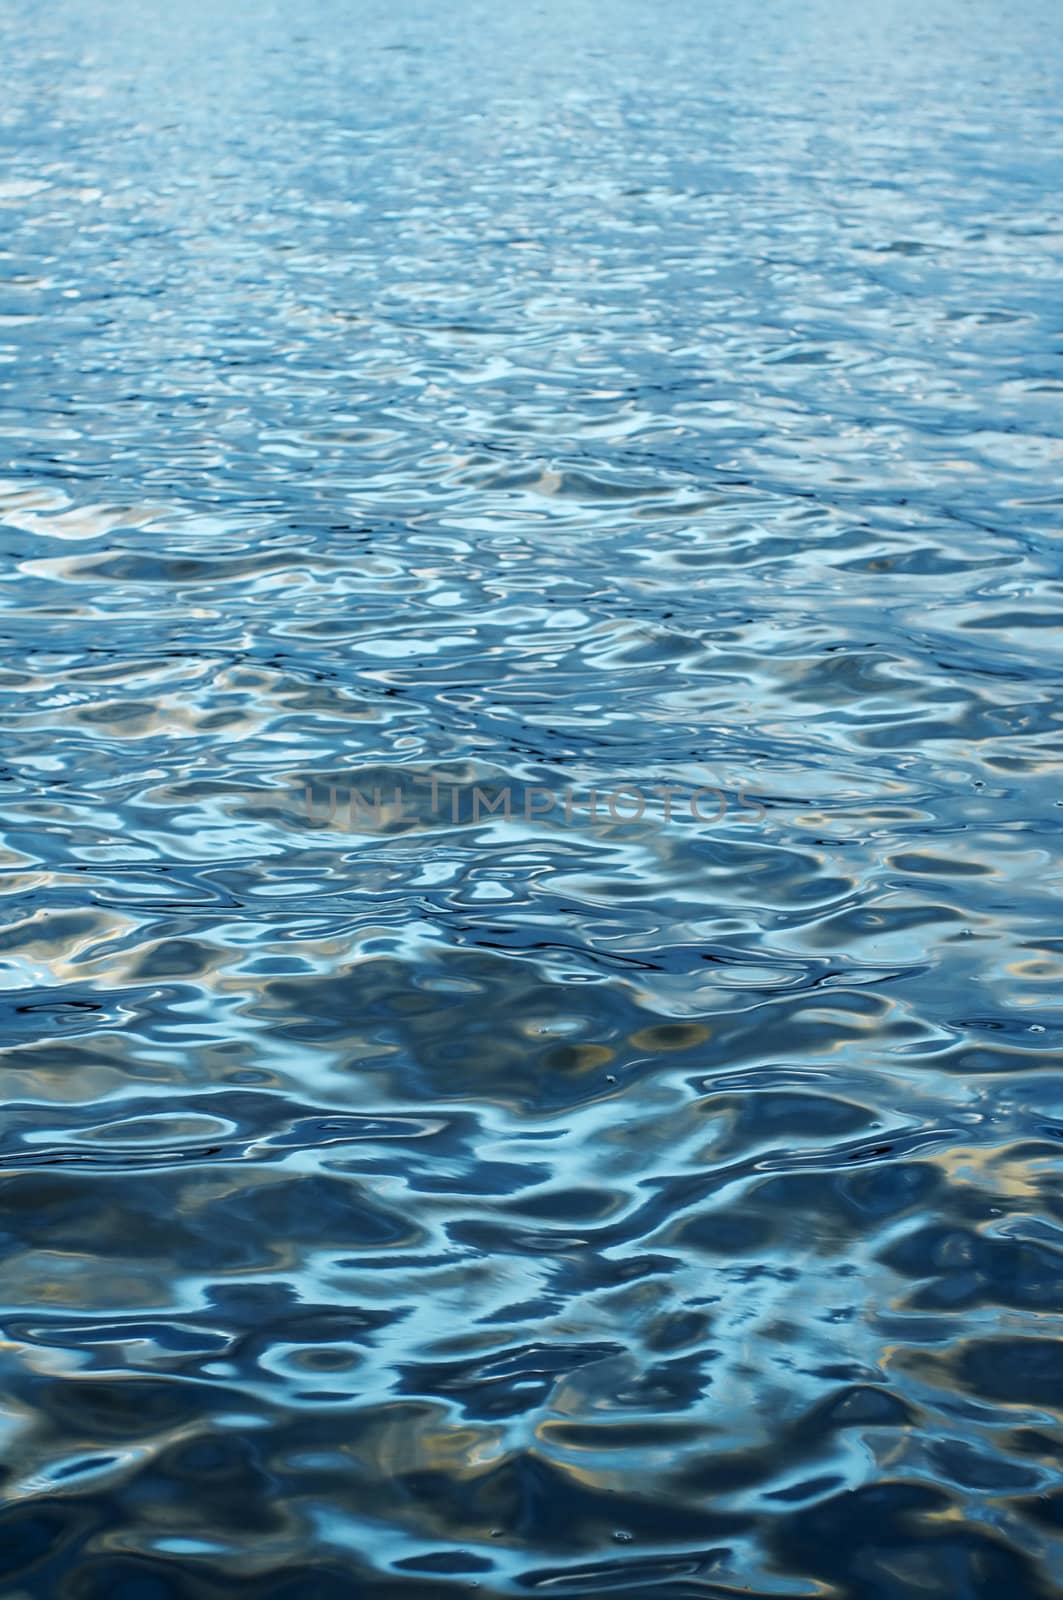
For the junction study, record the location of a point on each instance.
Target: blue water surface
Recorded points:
(532, 701)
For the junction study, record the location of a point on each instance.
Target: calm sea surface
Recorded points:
(531, 968)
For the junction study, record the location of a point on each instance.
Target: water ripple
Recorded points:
(530, 832)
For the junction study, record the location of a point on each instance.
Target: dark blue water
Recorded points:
(432, 1156)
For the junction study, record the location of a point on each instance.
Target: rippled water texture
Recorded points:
(539, 399)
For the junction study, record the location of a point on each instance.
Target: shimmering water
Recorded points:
(539, 399)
